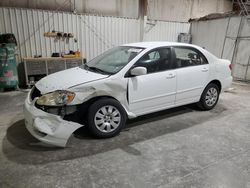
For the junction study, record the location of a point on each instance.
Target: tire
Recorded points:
(209, 97)
(106, 118)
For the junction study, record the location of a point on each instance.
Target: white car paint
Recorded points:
(189, 88)
(67, 78)
(138, 95)
(145, 95)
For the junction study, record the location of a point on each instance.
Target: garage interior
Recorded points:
(179, 147)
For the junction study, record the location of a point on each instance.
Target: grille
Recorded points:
(35, 93)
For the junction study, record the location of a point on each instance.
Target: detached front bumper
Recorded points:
(46, 127)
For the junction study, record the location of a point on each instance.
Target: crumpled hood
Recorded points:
(66, 79)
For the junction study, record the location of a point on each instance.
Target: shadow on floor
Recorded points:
(21, 147)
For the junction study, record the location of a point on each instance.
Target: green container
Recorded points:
(8, 68)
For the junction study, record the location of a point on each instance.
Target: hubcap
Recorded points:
(107, 119)
(211, 96)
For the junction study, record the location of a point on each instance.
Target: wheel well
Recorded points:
(94, 99)
(217, 82)
(80, 114)
(85, 105)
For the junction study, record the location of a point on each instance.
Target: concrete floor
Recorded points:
(181, 147)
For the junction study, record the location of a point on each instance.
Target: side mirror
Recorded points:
(138, 71)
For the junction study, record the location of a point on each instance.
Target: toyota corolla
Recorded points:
(125, 82)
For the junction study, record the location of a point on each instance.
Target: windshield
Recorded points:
(113, 60)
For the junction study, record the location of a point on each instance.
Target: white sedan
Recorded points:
(125, 82)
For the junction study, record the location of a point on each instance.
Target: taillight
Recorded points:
(230, 66)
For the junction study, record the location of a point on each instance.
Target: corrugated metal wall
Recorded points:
(210, 34)
(241, 56)
(94, 34)
(164, 31)
(227, 38)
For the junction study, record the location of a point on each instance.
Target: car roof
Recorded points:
(155, 44)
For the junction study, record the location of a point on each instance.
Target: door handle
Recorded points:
(170, 76)
(204, 69)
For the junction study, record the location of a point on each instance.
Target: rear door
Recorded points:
(192, 70)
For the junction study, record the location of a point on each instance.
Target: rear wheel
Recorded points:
(106, 118)
(209, 97)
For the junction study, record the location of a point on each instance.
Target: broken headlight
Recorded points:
(56, 98)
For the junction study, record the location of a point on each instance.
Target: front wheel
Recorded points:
(209, 97)
(106, 118)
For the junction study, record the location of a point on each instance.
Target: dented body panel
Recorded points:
(48, 128)
(67, 78)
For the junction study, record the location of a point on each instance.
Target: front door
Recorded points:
(156, 90)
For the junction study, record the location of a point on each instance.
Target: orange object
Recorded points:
(69, 56)
(78, 53)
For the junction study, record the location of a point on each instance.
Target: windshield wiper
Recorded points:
(98, 70)
(95, 69)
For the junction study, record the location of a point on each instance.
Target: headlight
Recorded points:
(57, 98)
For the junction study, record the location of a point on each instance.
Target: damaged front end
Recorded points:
(62, 111)
(52, 124)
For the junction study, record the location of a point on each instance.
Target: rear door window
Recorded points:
(187, 56)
